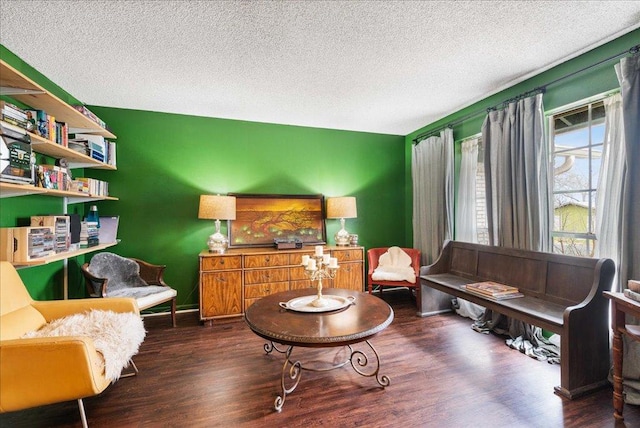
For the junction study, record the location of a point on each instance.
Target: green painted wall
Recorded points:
(583, 85)
(166, 161)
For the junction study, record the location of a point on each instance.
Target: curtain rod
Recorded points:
(540, 89)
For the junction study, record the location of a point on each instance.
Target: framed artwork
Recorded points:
(260, 219)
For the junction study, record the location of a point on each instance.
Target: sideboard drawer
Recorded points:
(266, 260)
(297, 273)
(258, 276)
(347, 255)
(260, 290)
(221, 263)
(296, 258)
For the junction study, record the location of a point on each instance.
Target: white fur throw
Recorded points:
(394, 265)
(117, 336)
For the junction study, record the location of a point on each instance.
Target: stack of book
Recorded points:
(90, 186)
(89, 234)
(90, 115)
(633, 292)
(493, 290)
(94, 146)
(13, 114)
(52, 177)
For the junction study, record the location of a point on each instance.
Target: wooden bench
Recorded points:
(562, 294)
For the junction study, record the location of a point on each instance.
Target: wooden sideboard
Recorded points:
(231, 282)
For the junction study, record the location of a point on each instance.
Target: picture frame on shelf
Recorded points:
(261, 219)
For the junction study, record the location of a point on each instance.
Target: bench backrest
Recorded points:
(557, 278)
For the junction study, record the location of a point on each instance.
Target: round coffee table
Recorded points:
(355, 323)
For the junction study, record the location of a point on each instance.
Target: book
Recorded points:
(493, 289)
(496, 298)
(632, 294)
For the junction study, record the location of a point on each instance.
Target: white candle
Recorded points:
(333, 262)
(325, 259)
(305, 259)
(311, 265)
(318, 250)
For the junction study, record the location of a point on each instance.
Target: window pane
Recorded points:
(571, 173)
(576, 138)
(573, 246)
(596, 162)
(597, 134)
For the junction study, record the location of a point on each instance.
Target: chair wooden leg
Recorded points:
(173, 312)
(133, 373)
(83, 416)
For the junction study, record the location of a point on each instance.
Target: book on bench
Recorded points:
(493, 290)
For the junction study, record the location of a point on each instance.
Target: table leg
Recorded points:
(618, 400)
(294, 371)
(359, 360)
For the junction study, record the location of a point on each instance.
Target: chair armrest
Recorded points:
(53, 309)
(39, 371)
(90, 279)
(152, 274)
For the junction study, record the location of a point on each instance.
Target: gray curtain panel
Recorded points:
(432, 175)
(628, 71)
(517, 174)
(518, 213)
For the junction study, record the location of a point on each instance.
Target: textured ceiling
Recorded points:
(386, 67)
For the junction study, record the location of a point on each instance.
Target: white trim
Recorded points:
(592, 99)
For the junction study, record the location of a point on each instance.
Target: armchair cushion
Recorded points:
(124, 277)
(394, 265)
(116, 336)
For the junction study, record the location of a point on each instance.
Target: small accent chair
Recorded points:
(37, 371)
(373, 257)
(111, 275)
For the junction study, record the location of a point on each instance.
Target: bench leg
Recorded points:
(173, 312)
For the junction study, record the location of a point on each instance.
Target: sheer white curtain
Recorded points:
(432, 175)
(466, 225)
(611, 184)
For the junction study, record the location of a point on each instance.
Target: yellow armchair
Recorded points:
(40, 371)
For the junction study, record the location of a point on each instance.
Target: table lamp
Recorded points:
(217, 207)
(342, 207)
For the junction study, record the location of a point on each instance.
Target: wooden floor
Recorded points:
(443, 374)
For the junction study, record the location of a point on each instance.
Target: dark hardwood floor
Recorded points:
(443, 374)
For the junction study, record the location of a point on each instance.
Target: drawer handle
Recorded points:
(222, 261)
(267, 259)
(221, 279)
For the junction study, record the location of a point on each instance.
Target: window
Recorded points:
(577, 137)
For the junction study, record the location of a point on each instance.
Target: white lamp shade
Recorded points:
(342, 207)
(217, 207)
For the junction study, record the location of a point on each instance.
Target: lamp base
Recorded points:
(342, 237)
(217, 243)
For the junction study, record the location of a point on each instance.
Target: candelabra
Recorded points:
(318, 267)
